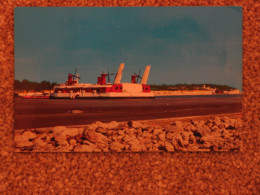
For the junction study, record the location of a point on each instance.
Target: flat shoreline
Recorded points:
(36, 113)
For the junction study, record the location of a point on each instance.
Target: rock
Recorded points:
(117, 146)
(217, 121)
(129, 138)
(64, 148)
(39, 142)
(21, 141)
(46, 137)
(112, 125)
(161, 136)
(226, 134)
(97, 138)
(92, 126)
(210, 124)
(177, 141)
(79, 138)
(200, 124)
(178, 124)
(62, 140)
(130, 131)
(147, 135)
(74, 131)
(29, 135)
(192, 147)
(137, 146)
(149, 145)
(121, 132)
(186, 138)
(214, 128)
(77, 111)
(134, 124)
(208, 141)
(114, 138)
(73, 142)
(24, 140)
(194, 122)
(221, 125)
(157, 131)
(203, 131)
(169, 136)
(120, 137)
(225, 119)
(169, 147)
(190, 127)
(58, 130)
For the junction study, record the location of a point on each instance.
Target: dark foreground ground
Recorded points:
(35, 113)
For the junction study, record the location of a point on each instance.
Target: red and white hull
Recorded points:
(73, 90)
(124, 90)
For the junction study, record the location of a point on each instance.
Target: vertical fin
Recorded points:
(145, 75)
(119, 73)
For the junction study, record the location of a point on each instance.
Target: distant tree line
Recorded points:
(190, 87)
(33, 86)
(46, 85)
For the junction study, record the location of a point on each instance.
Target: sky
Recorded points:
(181, 44)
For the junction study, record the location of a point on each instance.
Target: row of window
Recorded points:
(74, 90)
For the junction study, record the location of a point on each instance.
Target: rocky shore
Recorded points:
(211, 133)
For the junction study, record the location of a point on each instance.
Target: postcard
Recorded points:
(128, 79)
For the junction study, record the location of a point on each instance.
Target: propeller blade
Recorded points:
(139, 71)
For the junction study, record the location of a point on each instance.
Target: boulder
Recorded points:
(121, 132)
(157, 131)
(130, 131)
(40, 142)
(58, 130)
(190, 127)
(117, 147)
(178, 124)
(129, 138)
(169, 135)
(74, 131)
(24, 139)
(161, 136)
(217, 121)
(29, 135)
(21, 141)
(147, 135)
(134, 124)
(137, 146)
(169, 147)
(112, 125)
(96, 137)
(46, 137)
(73, 142)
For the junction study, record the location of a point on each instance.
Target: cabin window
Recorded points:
(116, 87)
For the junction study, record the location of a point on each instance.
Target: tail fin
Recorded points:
(145, 75)
(119, 73)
